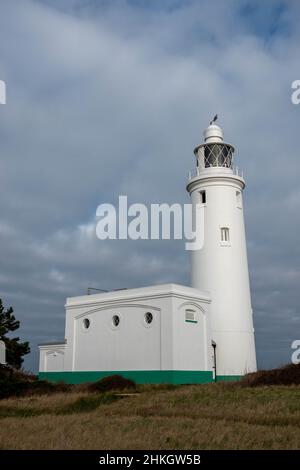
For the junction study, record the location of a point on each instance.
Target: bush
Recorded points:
(286, 375)
(18, 383)
(113, 382)
(8, 372)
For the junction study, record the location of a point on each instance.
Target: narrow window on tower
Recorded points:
(238, 199)
(203, 197)
(225, 234)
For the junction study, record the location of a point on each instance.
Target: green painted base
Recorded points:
(139, 376)
(228, 378)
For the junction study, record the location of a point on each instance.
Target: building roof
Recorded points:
(140, 292)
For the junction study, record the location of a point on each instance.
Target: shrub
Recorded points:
(113, 382)
(286, 375)
(18, 383)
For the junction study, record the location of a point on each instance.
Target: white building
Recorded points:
(172, 333)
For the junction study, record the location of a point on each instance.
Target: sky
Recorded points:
(109, 98)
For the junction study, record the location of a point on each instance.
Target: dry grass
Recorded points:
(213, 416)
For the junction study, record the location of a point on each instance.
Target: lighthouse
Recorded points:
(220, 267)
(172, 333)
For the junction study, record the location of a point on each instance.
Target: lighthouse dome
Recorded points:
(213, 133)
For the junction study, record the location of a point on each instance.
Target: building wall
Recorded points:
(131, 345)
(191, 339)
(146, 353)
(52, 357)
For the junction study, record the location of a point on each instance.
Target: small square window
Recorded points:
(225, 234)
(190, 316)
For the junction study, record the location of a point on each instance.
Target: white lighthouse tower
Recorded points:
(220, 266)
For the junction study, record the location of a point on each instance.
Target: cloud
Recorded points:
(108, 98)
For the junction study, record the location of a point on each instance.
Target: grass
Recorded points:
(212, 416)
(82, 404)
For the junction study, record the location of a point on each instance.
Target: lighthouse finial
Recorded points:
(214, 120)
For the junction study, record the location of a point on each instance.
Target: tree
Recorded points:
(14, 349)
